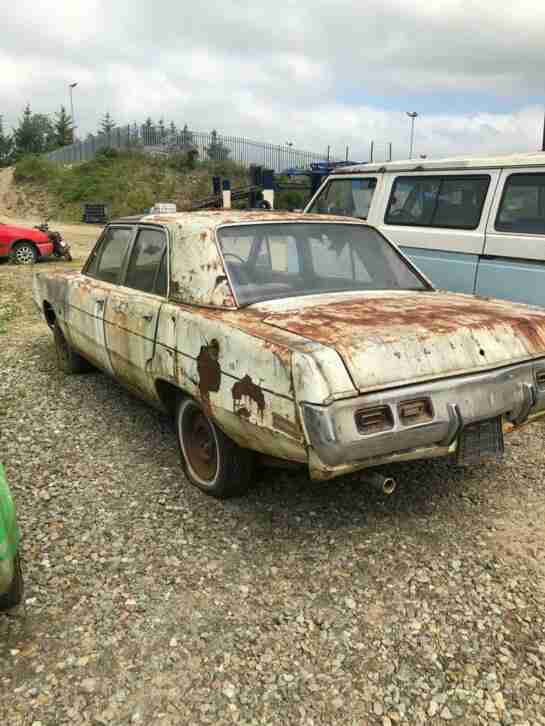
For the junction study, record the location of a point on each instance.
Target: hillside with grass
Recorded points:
(128, 183)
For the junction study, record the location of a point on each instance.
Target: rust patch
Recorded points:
(348, 323)
(246, 391)
(209, 371)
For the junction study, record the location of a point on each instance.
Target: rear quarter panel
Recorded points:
(243, 381)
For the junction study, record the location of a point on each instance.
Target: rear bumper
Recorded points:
(339, 446)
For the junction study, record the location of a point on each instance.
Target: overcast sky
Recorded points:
(312, 72)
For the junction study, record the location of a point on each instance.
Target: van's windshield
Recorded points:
(347, 197)
(268, 261)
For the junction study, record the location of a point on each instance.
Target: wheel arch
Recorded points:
(169, 395)
(49, 314)
(25, 240)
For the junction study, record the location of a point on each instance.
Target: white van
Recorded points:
(474, 225)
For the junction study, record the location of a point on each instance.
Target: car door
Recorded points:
(133, 310)
(513, 263)
(88, 295)
(438, 219)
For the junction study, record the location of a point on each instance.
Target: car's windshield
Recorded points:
(268, 261)
(347, 197)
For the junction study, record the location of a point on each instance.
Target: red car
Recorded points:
(24, 245)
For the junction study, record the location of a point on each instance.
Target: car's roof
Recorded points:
(448, 164)
(213, 218)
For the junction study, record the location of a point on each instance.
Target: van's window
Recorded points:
(310, 258)
(522, 208)
(435, 201)
(347, 197)
(106, 262)
(146, 256)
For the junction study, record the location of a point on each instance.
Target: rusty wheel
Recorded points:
(211, 461)
(201, 445)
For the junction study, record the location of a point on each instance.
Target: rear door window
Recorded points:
(522, 208)
(145, 261)
(107, 259)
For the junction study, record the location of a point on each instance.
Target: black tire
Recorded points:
(14, 595)
(23, 253)
(211, 461)
(68, 361)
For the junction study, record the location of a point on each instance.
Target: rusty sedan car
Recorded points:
(305, 339)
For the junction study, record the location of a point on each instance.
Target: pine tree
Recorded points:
(6, 146)
(186, 138)
(148, 132)
(217, 151)
(35, 134)
(64, 128)
(162, 130)
(107, 124)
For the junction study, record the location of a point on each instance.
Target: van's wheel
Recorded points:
(14, 595)
(68, 361)
(212, 462)
(23, 253)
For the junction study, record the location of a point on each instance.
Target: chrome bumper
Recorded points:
(511, 392)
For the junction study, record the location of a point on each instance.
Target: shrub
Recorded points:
(34, 169)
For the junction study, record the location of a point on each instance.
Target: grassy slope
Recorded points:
(128, 182)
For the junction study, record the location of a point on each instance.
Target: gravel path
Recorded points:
(302, 603)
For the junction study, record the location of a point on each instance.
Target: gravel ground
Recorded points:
(302, 603)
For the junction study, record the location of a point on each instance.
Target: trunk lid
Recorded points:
(389, 339)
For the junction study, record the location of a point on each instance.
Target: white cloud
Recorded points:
(296, 70)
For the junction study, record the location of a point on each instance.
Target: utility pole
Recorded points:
(412, 115)
(543, 142)
(71, 86)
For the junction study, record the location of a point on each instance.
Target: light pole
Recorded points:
(412, 115)
(71, 86)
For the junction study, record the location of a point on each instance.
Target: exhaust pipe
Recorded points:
(383, 484)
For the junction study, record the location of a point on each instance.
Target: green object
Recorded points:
(9, 532)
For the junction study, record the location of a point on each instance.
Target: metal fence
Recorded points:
(203, 146)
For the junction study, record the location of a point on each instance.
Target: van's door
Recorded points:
(513, 262)
(438, 218)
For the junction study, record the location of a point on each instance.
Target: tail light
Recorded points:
(415, 411)
(374, 419)
(540, 379)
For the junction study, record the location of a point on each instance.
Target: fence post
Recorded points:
(268, 187)
(226, 194)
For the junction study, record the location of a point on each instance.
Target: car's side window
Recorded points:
(454, 202)
(145, 261)
(522, 208)
(107, 259)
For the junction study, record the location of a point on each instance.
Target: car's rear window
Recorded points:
(268, 261)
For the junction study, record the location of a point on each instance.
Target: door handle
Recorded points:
(100, 301)
(148, 317)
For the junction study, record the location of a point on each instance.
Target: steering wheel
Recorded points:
(238, 271)
(401, 215)
(237, 257)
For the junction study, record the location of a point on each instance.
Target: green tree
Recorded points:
(172, 130)
(187, 138)
(6, 146)
(148, 132)
(217, 151)
(161, 129)
(107, 124)
(35, 134)
(63, 128)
